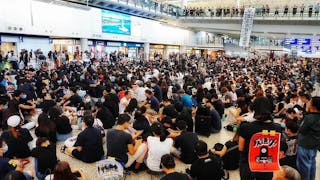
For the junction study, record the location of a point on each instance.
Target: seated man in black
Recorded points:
(88, 147)
(185, 143)
(207, 165)
(168, 166)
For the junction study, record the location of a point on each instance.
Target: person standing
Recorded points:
(309, 140)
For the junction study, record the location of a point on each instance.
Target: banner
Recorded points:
(115, 23)
(247, 23)
(264, 152)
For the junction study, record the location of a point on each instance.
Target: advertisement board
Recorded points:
(115, 23)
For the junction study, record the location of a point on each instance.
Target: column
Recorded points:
(184, 3)
(84, 44)
(183, 49)
(146, 47)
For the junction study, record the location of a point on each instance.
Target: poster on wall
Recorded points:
(115, 23)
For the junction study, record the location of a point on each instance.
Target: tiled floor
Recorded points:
(91, 172)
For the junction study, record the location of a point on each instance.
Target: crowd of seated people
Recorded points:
(146, 111)
(264, 10)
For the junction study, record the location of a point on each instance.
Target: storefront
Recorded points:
(129, 49)
(156, 51)
(69, 45)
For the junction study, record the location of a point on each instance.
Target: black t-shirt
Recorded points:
(46, 157)
(175, 176)
(289, 161)
(204, 168)
(106, 118)
(232, 156)
(247, 130)
(18, 147)
(186, 142)
(117, 144)
(14, 107)
(63, 125)
(90, 140)
(219, 106)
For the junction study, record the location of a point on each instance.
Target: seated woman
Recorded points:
(88, 146)
(63, 171)
(17, 139)
(45, 157)
(158, 145)
(63, 126)
(46, 129)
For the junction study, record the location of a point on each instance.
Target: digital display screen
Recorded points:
(115, 23)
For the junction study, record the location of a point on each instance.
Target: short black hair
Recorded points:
(123, 118)
(15, 175)
(167, 161)
(148, 91)
(17, 93)
(88, 120)
(181, 125)
(294, 127)
(201, 148)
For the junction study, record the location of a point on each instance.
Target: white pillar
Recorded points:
(183, 49)
(84, 44)
(184, 3)
(146, 51)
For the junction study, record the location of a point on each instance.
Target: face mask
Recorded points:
(87, 100)
(5, 148)
(153, 84)
(5, 107)
(59, 81)
(81, 93)
(102, 100)
(24, 97)
(65, 91)
(283, 125)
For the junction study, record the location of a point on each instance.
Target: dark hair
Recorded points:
(133, 104)
(88, 120)
(63, 171)
(123, 118)
(294, 128)
(15, 175)
(167, 161)
(54, 112)
(181, 125)
(283, 146)
(315, 102)
(263, 116)
(148, 91)
(159, 130)
(201, 148)
(17, 93)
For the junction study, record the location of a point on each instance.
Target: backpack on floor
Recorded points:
(203, 125)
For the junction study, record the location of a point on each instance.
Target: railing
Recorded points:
(259, 12)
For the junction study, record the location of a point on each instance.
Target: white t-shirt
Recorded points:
(123, 104)
(140, 94)
(156, 149)
(249, 116)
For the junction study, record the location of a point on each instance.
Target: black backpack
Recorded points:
(203, 121)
